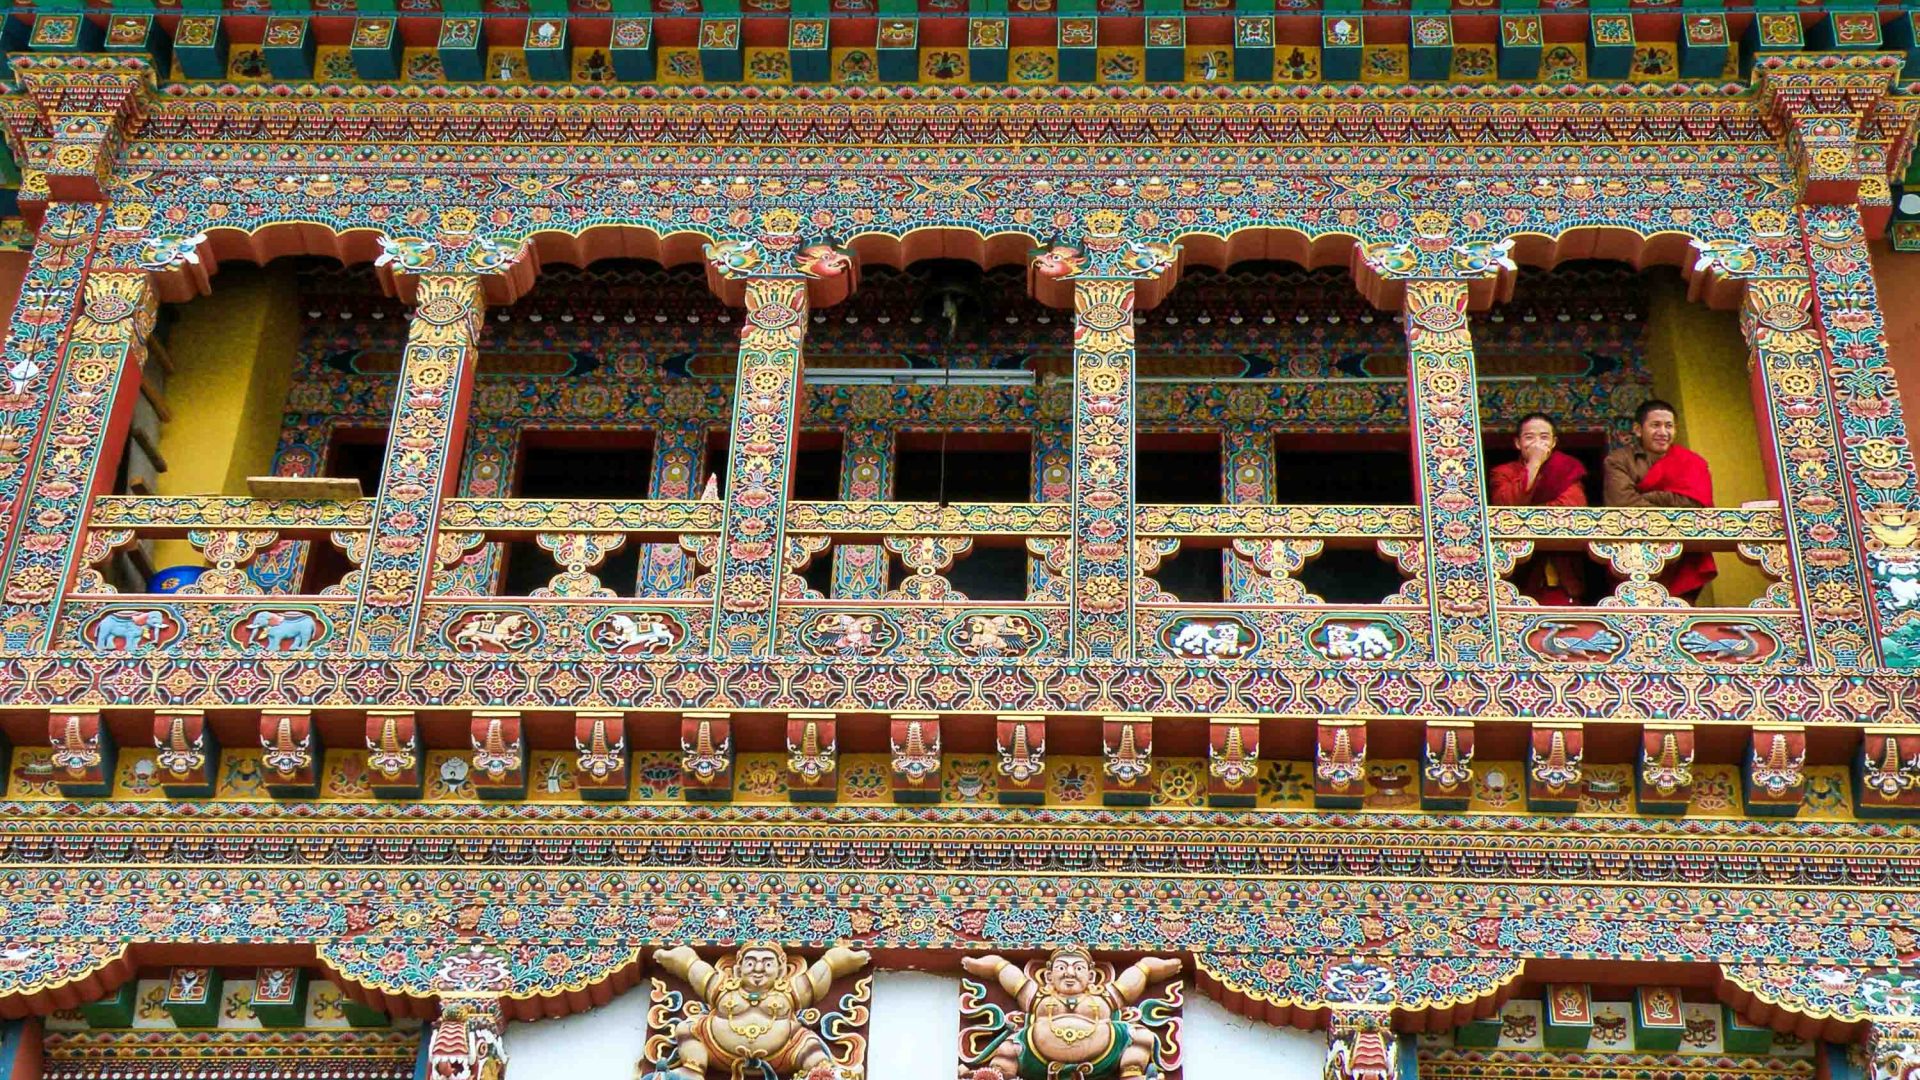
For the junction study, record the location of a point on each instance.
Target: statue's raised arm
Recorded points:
(836, 962)
(1008, 974)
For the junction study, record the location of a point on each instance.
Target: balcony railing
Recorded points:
(246, 601)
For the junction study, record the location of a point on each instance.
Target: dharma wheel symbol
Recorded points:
(1105, 318)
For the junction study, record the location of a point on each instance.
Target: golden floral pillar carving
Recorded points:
(1103, 460)
(760, 466)
(1443, 398)
(422, 461)
(98, 376)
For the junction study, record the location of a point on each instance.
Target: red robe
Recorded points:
(1684, 473)
(1556, 484)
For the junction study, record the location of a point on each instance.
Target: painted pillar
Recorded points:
(1051, 474)
(21, 1049)
(1825, 102)
(679, 457)
(92, 404)
(1893, 1049)
(33, 361)
(866, 475)
(1877, 454)
(759, 466)
(1449, 472)
(1362, 1045)
(1247, 478)
(1801, 439)
(1103, 460)
(487, 472)
(423, 457)
(467, 1041)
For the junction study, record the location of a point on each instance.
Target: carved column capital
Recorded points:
(468, 1040)
(1362, 1045)
(88, 104)
(1824, 101)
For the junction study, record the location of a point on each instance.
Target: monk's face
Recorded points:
(1656, 431)
(1535, 439)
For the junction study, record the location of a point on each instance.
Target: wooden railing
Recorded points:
(907, 603)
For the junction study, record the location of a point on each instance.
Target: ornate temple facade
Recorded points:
(806, 540)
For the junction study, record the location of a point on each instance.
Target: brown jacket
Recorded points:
(1623, 471)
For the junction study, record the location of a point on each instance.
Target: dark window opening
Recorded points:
(816, 468)
(358, 453)
(1319, 471)
(361, 455)
(1194, 575)
(585, 465)
(1351, 576)
(579, 465)
(1348, 471)
(819, 573)
(985, 573)
(1178, 469)
(974, 468)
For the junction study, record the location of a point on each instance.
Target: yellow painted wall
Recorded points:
(1699, 361)
(233, 354)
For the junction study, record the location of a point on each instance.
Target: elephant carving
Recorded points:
(281, 631)
(128, 630)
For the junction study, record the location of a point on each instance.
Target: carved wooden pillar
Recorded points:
(1444, 404)
(1876, 453)
(1893, 1049)
(98, 375)
(1832, 109)
(33, 361)
(759, 467)
(1362, 1045)
(423, 457)
(1247, 479)
(866, 475)
(679, 457)
(21, 1049)
(1103, 460)
(467, 1040)
(1797, 423)
(87, 103)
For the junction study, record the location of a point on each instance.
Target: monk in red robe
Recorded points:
(1657, 471)
(1543, 476)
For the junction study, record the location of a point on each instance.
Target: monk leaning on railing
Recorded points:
(1543, 476)
(1656, 471)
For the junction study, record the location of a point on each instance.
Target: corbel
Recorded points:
(290, 753)
(393, 755)
(499, 754)
(600, 768)
(1233, 761)
(187, 753)
(1127, 745)
(813, 753)
(706, 756)
(915, 763)
(1340, 764)
(1021, 741)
